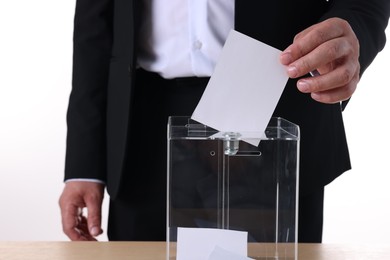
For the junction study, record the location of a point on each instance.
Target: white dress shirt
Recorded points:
(181, 38)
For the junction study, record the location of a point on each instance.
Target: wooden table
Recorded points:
(157, 250)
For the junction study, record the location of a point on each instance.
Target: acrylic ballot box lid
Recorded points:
(237, 181)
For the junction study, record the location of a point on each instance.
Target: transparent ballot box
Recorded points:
(221, 180)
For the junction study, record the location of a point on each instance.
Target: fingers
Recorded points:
(330, 47)
(328, 52)
(83, 230)
(338, 94)
(319, 45)
(342, 75)
(77, 230)
(332, 87)
(309, 39)
(75, 197)
(94, 215)
(70, 221)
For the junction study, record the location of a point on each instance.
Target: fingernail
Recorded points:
(94, 231)
(303, 86)
(292, 71)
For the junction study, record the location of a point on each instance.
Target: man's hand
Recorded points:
(75, 196)
(332, 49)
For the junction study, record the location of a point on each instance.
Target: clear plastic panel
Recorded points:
(218, 180)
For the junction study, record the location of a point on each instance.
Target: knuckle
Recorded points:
(343, 24)
(339, 23)
(304, 66)
(93, 197)
(346, 75)
(319, 35)
(349, 90)
(297, 36)
(332, 52)
(351, 50)
(299, 49)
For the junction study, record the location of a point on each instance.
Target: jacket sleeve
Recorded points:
(86, 115)
(368, 19)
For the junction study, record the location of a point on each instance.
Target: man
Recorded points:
(131, 57)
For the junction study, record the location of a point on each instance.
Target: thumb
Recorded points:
(94, 217)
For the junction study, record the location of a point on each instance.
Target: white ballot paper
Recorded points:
(201, 243)
(244, 89)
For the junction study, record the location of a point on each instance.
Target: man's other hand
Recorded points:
(76, 196)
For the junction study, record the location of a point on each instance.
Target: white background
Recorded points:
(35, 82)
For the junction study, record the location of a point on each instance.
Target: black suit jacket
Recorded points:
(105, 52)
